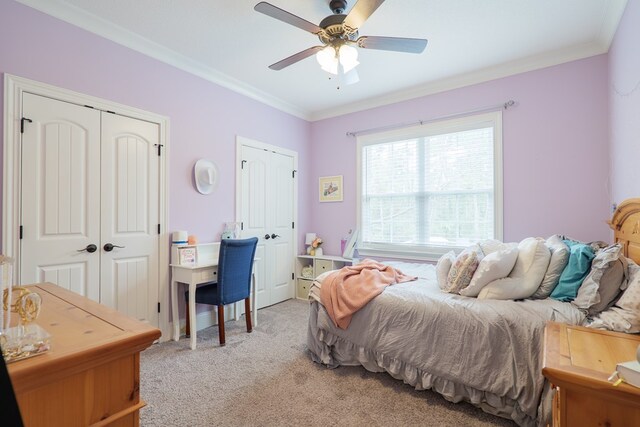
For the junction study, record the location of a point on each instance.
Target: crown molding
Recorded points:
(94, 24)
(468, 79)
(613, 11)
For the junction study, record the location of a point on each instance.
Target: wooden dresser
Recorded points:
(91, 374)
(578, 361)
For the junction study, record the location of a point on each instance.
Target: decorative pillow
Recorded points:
(624, 316)
(559, 260)
(463, 268)
(605, 281)
(443, 266)
(580, 257)
(493, 266)
(527, 273)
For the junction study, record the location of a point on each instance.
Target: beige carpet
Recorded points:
(266, 378)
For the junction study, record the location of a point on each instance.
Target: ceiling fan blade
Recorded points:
(397, 44)
(284, 16)
(295, 58)
(359, 13)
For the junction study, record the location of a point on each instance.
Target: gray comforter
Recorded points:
(487, 352)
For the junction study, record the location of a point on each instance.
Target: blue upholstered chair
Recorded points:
(235, 263)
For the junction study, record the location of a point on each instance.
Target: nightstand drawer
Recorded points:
(322, 265)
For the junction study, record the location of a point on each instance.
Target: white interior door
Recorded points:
(255, 165)
(91, 178)
(266, 211)
(280, 212)
(130, 188)
(60, 195)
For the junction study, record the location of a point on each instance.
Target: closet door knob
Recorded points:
(109, 247)
(267, 237)
(90, 248)
(273, 236)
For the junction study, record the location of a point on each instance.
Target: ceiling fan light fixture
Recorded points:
(328, 60)
(348, 57)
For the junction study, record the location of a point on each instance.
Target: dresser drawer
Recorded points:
(322, 265)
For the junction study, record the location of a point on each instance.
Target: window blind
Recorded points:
(433, 189)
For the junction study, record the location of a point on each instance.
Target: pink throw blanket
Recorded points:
(347, 290)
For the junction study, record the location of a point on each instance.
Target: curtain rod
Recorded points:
(502, 106)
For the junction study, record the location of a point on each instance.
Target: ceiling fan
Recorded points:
(339, 34)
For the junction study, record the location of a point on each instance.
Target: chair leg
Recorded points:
(247, 314)
(221, 324)
(187, 329)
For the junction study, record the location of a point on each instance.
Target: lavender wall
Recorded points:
(624, 86)
(555, 150)
(204, 118)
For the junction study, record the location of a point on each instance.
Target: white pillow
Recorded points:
(557, 264)
(495, 265)
(526, 276)
(492, 245)
(443, 266)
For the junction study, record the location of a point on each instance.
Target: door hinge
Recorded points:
(292, 276)
(22, 120)
(242, 164)
(158, 228)
(293, 173)
(158, 307)
(159, 148)
(242, 226)
(21, 229)
(293, 225)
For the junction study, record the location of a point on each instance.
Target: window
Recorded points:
(427, 189)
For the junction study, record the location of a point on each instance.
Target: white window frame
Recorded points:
(433, 252)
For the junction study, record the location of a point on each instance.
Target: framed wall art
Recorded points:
(330, 188)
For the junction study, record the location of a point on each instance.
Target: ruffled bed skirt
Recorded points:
(333, 351)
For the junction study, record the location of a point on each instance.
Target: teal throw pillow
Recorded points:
(577, 269)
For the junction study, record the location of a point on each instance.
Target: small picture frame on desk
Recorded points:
(188, 255)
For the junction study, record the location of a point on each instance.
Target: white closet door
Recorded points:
(130, 187)
(60, 195)
(267, 210)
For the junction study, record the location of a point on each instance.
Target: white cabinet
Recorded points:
(318, 265)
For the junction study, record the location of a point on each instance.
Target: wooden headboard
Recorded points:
(626, 228)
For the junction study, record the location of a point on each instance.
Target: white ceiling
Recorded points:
(470, 41)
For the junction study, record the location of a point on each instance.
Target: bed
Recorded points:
(487, 352)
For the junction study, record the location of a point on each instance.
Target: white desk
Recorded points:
(193, 275)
